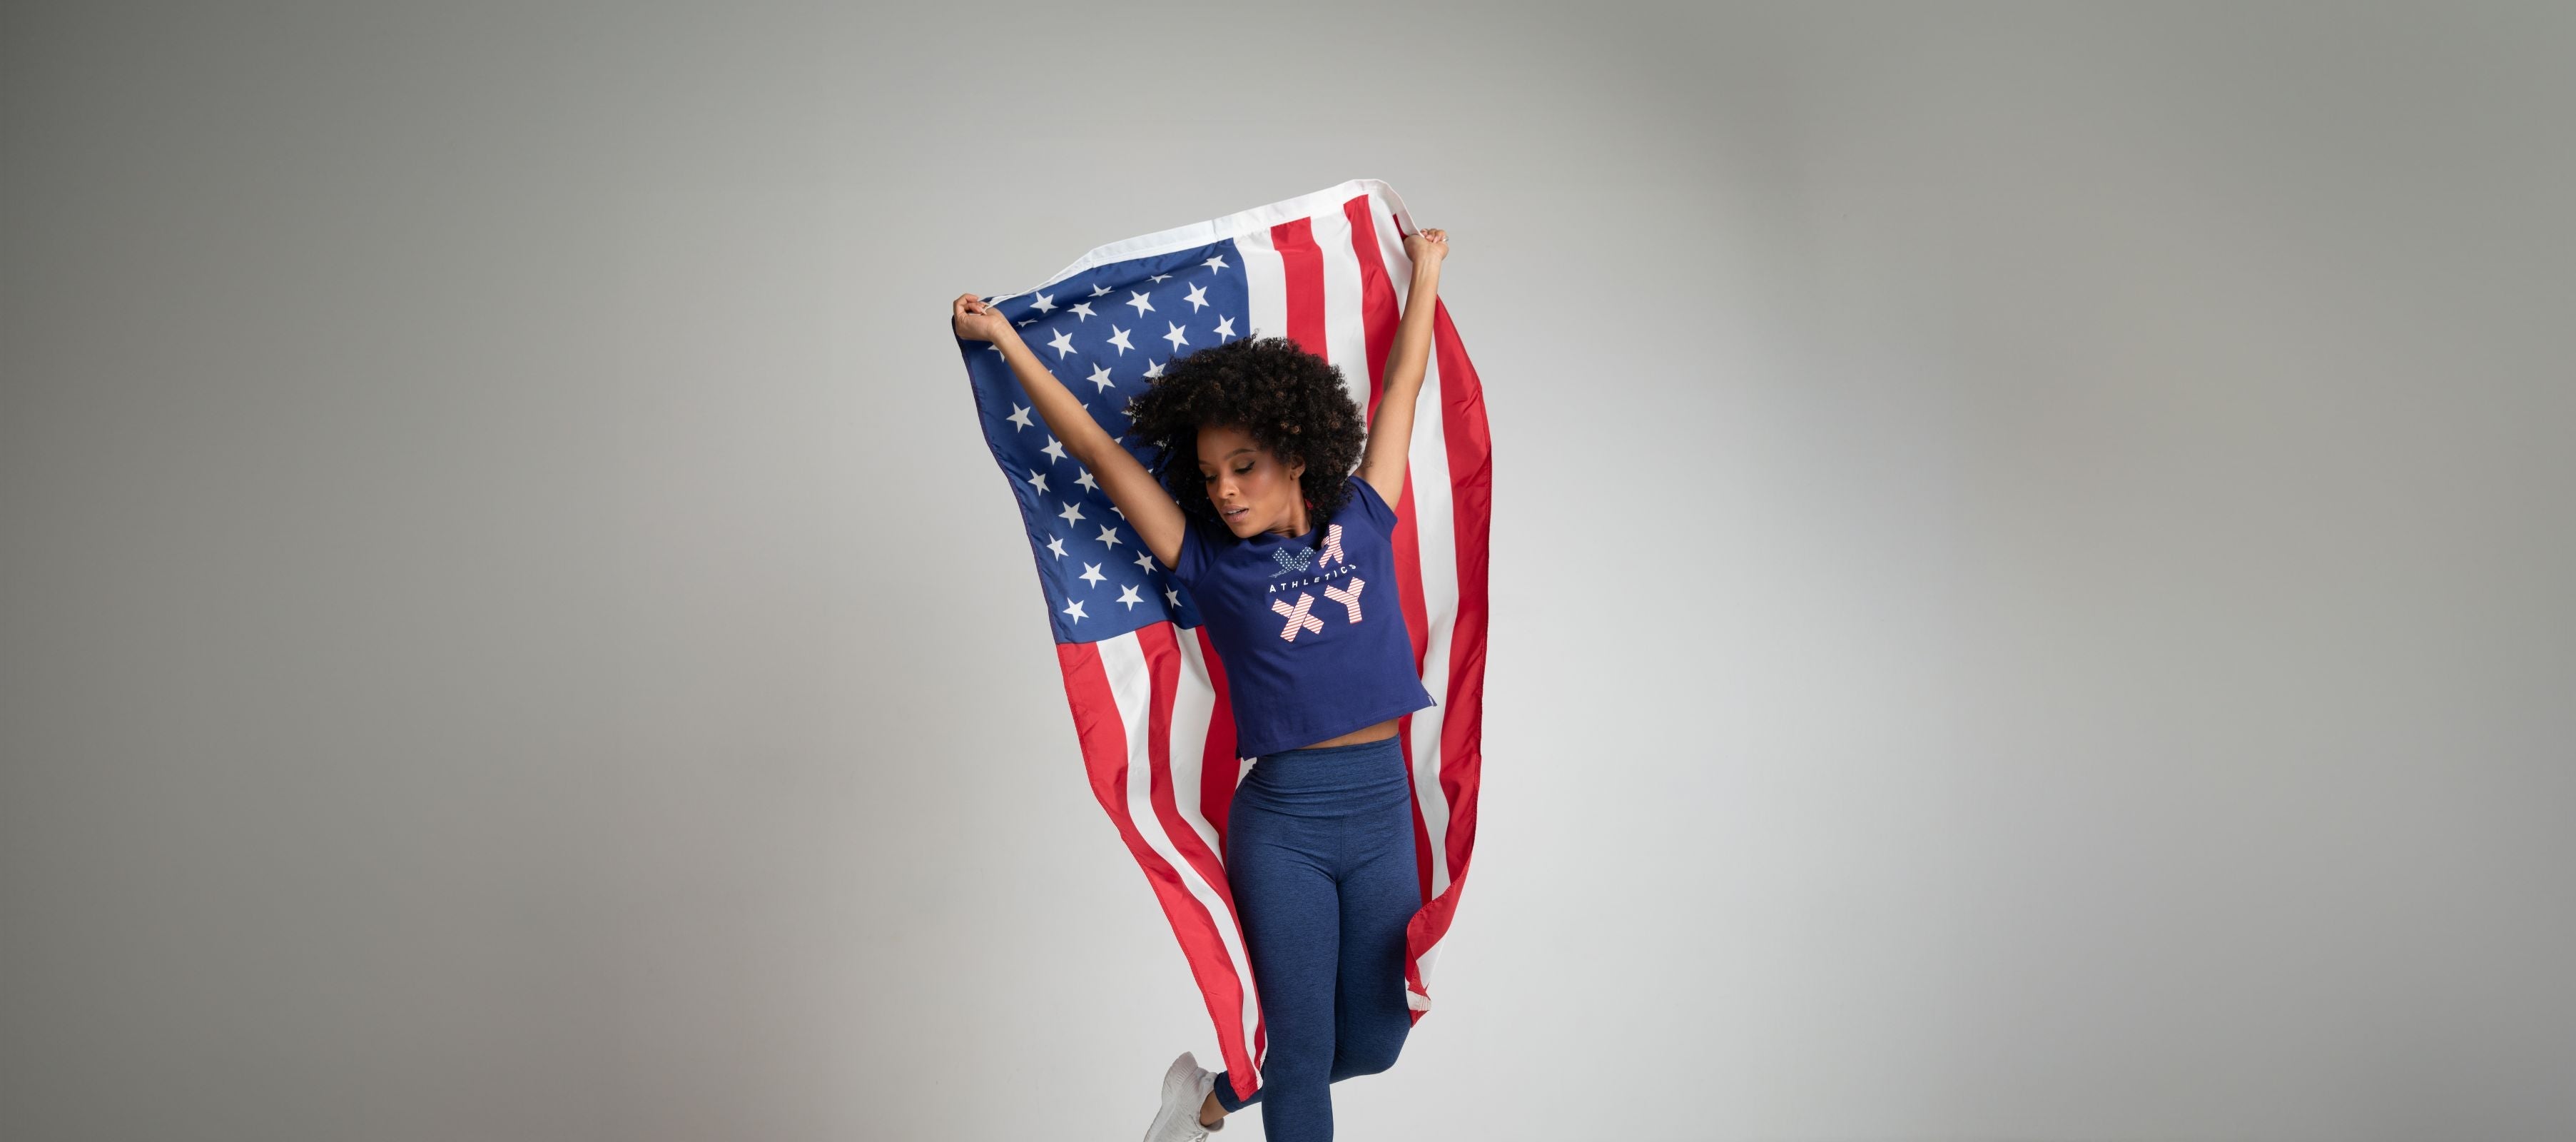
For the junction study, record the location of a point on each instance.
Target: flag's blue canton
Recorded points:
(1104, 332)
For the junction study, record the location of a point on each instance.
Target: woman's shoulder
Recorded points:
(1364, 498)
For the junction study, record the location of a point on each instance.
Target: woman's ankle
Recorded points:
(1211, 1112)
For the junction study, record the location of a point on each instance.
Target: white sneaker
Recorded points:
(1185, 1090)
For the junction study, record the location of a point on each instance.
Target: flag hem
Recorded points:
(1216, 230)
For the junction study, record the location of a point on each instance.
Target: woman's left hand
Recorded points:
(1427, 247)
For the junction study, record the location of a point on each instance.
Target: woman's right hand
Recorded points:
(973, 320)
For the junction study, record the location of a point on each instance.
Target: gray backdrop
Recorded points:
(2031, 571)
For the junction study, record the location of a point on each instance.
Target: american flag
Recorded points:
(1148, 692)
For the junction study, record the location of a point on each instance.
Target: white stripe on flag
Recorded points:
(1193, 715)
(1264, 277)
(1345, 310)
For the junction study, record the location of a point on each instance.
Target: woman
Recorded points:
(1253, 508)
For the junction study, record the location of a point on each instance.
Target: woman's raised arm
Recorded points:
(1391, 426)
(1149, 509)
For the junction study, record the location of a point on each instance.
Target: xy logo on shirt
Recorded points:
(1300, 618)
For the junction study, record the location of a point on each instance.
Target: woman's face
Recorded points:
(1252, 491)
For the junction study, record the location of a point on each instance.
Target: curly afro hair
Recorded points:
(1290, 401)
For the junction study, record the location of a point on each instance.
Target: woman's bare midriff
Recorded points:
(1385, 729)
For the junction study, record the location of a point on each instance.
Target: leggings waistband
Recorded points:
(1334, 780)
(1391, 743)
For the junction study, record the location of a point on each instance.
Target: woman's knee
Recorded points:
(1366, 1058)
(1299, 1060)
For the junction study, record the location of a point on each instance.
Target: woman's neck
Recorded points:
(1296, 522)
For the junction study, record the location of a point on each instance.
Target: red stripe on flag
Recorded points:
(1104, 757)
(1223, 768)
(1160, 642)
(1301, 263)
(1470, 446)
(1378, 315)
(1471, 494)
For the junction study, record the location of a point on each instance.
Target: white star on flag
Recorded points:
(1198, 297)
(1037, 479)
(1101, 290)
(1056, 544)
(1074, 608)
(1118, 337)
(1215, 263)
(1108, 535)
(1143, 304)
(1087, 482)
(1091, 574)
(1099, 376)
(1062, 344)
(1019, 416)
(1072, 513)
(1054, 448)
(1224, 328)
(1046, 303)
(1129, 597)
(1177, 338)
(1084, 308)
(1153, 368)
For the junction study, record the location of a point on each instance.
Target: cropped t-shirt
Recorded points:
(1309, 629)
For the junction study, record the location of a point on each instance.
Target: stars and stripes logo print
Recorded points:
(1145, 685)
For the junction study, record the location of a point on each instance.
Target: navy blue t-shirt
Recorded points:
(1311, 633)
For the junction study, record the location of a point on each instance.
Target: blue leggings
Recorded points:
(1319, 853)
